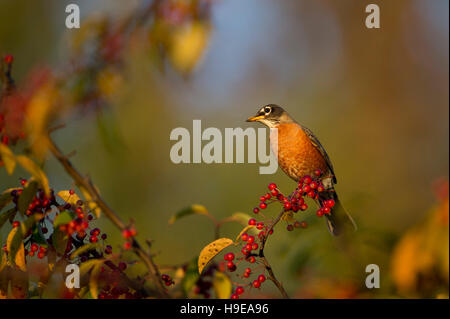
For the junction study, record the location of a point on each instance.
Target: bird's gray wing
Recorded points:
(315, 141)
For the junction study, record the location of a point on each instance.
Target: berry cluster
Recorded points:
(41, 203)
(308, 187)
(35, 249)
(128, 234)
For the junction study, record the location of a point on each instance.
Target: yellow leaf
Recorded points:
(211, 250)
(16, 250)
(93, 282)
(8, 158)
(35, 171)
(188, 45)
(222, 285)
(72, 199)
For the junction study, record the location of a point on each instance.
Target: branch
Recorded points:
(266, 262)
(85, 183)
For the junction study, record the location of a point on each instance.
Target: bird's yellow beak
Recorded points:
(255, 118)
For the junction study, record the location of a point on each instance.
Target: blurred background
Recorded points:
(377, 99)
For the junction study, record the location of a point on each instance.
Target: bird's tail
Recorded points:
(339, 220)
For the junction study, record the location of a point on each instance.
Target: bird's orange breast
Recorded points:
(297, 156)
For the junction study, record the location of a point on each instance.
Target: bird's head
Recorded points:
(271, 115)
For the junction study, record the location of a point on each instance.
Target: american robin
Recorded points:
(300, 153)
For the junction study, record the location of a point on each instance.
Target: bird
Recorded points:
(299, 154)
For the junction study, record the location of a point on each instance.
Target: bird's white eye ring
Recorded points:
(267, 109)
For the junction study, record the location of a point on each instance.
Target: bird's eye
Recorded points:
(267, 110)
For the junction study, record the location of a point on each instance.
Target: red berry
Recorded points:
(256, 284)
(252, 221)
(239, 290)
(16, 224)
(320, 188)
(274, 192)
(262, 198)
(93, 239)
(256, 210)
(272, 186)
(234, 296)
(251, 239)
(290, 227)
(326, 210)
(244, 237)
(23, 182)
(311, 194)
(306, 188)
(71, 192)
(313, 185)
(31, 253)
(320, 212)
(251, 259)
(304, 224)
(246, 275)
(254, 246)
(303, 207)
(260, 225)
(262, 205)
(229, 256)
(248, 270)
(317, 172)
(261, 278)
(287, 206)
(230, 264)
(127, 245)
(9, 59)
(34, 247)
(307, 179)
(41, 255)
(126, 233)
(330, 203)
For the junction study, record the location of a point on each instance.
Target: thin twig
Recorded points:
(85, 183)
(266, 262)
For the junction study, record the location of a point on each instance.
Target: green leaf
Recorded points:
(37, 237)
(191, 276)
(9, 214)
(222, 285)
(27, 196)
(191, 210)
(63, 218)
(59, 240)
